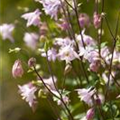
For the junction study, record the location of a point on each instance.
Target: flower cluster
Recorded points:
(90, 66)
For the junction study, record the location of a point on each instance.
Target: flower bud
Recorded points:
(67, 69)
(90, 114)
(43, 29)
(84, 20)
(17, 69)
(31, 62)
(96, 20)
(64, 25)
(94, 66)
(98, 101)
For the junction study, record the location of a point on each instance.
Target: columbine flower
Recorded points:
(63, 42)
(32, 18)
(17, 69)
(51, 7)
(27, 92)
(90, 114)
(31, 40)
(86, 95)
(67, 53)
(65, 98)
(51, 53)
(6, 31)
(84, 20)
(86, 38)
(50, 83)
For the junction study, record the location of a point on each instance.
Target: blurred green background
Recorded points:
(12, 107)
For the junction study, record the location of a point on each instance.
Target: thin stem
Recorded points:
(54, 109)
(67, 19)
(76, 12)
(113, 49)
(101, 27)
(44, 83)
(61, 98)
(69, 5)
(50, 71)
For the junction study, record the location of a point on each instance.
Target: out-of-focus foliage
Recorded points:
(12, 107)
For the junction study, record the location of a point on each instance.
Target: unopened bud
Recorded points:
(97, 20)
(31, 62)
(90, 114)
(67, 69)
(17, 69)
(84, 20)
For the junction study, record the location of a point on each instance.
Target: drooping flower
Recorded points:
(51, 53)
(33, 18)
(17, 69)
(31, 40)
(84, 20)
(6, 31)
(27, 92)
(86, 95)
(51, 7)
(90, 114)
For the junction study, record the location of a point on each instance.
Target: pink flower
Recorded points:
(31, 40)
(97, 20)
(17, 69)
(65, 98)
(27, 92)
(67, 53)
(63, 24)
(51, 7)
(49, 82)
(32, 18)
(31, 62)
(94, 66)
(51, 53)
(6, 31)
(88, 40)
(84, 20)
(90, 114)
(63, 42)
(86, 95)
